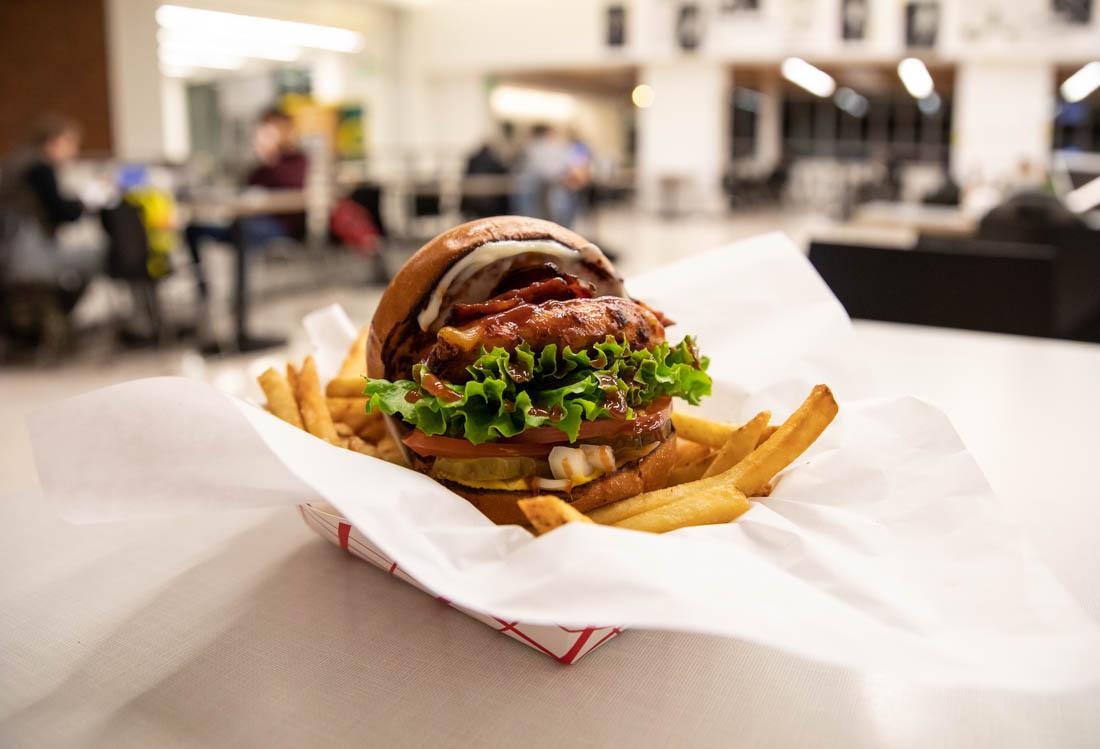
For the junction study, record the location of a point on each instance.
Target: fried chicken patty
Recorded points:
(577, 323)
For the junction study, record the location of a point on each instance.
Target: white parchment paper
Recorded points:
(883, 548)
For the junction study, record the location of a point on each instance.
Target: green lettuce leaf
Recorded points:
(509, 392)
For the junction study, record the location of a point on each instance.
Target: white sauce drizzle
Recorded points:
(491, 252)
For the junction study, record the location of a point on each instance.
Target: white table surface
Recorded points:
(244, 629)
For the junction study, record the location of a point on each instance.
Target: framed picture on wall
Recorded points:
(689, 26)
(736, 6)
(922, 23)
(616, 25)
(1073, 12)
(853, 20)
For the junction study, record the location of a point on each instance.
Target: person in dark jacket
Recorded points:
(30, 195)
(41, 279)
(486, 161)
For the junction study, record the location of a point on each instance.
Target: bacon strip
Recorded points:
(559, 288)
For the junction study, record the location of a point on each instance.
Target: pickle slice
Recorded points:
(484, 469)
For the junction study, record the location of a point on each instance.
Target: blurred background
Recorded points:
(182, 182)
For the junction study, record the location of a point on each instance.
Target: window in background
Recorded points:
(1077, 125)
(1074, 12)
(745, 103)
(896, 124)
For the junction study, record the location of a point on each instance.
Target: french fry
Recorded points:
(292, 376)
(793, 438)
(374, 429)
(547, 512)
(280, 398)
(639, 503)
(766, 434)
(739, 445)
(315, 413)
(355, 363)
(692, 460)
(387, 450)
(351, 411)
(713, 434)
(750, 475)
(342, 429)
(359, 446)
(690, 452)
(718, 504)
(345, 387)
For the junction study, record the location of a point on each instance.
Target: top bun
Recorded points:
(418, 277)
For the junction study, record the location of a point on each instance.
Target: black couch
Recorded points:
(1050, 289)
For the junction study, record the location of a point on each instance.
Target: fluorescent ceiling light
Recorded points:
(261, 50)
(851, 102)
(531, 104)
(1082, 83)
(194, 22)
(642, 96)
(915, 76)
(746, 99)
(200, 59)
(930, 104)
(801, 73)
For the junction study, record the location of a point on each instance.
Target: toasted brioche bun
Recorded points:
(404, 298)
(418, 277)
(645, 474)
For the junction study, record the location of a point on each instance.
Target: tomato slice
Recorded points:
(536, 443)
(657, 413)
(456, 447)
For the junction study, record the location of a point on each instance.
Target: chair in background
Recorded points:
(127, 258)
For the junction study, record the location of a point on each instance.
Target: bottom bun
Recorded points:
(645, 474)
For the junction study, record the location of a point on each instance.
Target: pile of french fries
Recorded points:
(337, 414)
(718, 467)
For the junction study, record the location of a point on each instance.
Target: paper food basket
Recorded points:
(564, 644)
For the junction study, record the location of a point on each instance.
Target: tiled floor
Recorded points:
(641, 242)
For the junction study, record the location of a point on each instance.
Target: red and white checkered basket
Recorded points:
(561, 643)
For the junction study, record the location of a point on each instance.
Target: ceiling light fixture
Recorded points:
(531, 104)
(642, 96)
(197, 23)
(803, 74)
(1082, 83)
(916, 78)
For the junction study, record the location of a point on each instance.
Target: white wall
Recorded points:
(134, 83)
(485, 35)
(176, 129)
(683, 134)
(602, 122)
(1002, 116)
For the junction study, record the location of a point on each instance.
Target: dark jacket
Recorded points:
(29, 188)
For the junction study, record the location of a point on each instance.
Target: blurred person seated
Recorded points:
(541, 191)
(282, 166)
(42, 278)
(577, 180)
(947, 194)
(1030, 212)
(486, 160)
(1033, 216)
